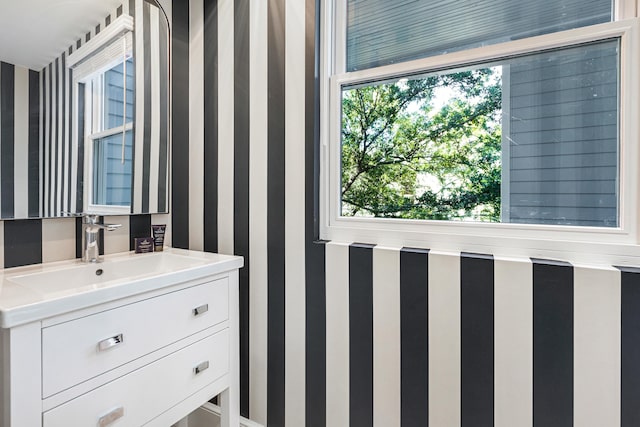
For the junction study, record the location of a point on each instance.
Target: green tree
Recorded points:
(404, 157)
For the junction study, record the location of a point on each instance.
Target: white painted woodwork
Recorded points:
(166, 382)
(52, 373)
(70, 352)
(21, 373)
(230, 398)
(575, 244)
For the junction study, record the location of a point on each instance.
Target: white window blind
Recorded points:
(105, 50)
(382, 32)
(106, 57)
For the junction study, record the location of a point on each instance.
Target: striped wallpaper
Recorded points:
(417, 337)
(38, 130)
(33, 241)
(57, 148)
(19, 141)
(340, 334)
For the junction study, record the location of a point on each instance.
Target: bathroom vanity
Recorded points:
(136, 340)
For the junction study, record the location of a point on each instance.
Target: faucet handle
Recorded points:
(109, 227)
(92, 219)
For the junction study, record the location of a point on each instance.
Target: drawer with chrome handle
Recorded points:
(110, 342)
(201, 310)
(111, 417)
(84, 348)
(138, 397)
(201, 367)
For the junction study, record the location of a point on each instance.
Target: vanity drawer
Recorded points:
(81, 349)
(137, 398)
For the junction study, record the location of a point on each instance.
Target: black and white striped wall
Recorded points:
(350, 334)
(60, 152)
(238, 113)
(418, 337)
(34, 241)
(19, 141)
(150, 171)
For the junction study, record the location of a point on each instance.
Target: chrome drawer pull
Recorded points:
(110, 342)
(200, 310)
(112, 416)
(201, 367)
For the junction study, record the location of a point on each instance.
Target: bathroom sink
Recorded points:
(36, 292)
(81, 275)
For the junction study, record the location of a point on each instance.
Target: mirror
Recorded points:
(84, 107)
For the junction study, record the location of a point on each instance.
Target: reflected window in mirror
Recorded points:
(112, 97)
(43, 112)
(108, 89)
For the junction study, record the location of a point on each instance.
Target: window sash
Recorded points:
(381, 32)
(113, 94)
(101, 172)
(536, 196)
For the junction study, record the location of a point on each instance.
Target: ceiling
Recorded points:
(34, 32)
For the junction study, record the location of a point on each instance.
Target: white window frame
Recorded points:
(105, 46)
(94, 125)
(602, 245)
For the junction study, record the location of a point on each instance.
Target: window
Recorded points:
(111, 136)
(456, 120)
(104, 77)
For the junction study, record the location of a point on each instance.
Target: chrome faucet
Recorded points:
(91, 232)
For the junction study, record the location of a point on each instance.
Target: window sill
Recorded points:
(103, 210)
(577, 245)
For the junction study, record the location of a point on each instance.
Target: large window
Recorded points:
(449, 116)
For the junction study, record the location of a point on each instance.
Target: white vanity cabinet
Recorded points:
(121, 349)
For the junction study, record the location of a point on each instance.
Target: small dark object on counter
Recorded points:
(158, 236)
(144, 245)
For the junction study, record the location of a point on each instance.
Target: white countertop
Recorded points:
(40, 291)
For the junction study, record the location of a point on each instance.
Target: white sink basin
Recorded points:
(112, 269)
(44, 290)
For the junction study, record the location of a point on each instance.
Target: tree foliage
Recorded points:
(403, 156)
